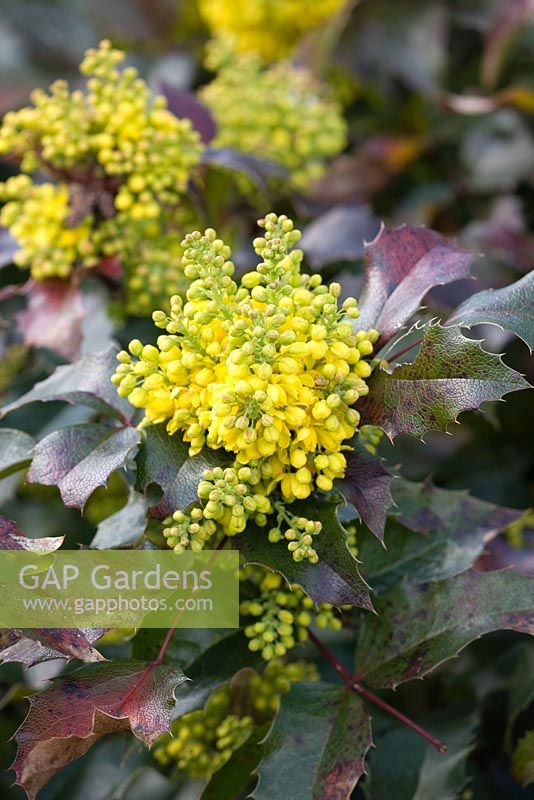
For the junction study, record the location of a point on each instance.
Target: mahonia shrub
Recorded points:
(120, 160)
(202, 741)
(281, 112)
(270, 28)
(269, 371)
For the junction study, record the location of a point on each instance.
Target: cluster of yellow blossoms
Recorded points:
(121, 160)
(280, 113)
(202, 741)
(269, 371)
(268, 27)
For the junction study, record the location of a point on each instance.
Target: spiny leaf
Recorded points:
(450, 374)
(15, 450)
(317, 746)
(421, 625)
(53, 318)
(66, 719)
(366, 485)
(34, 646)
(87, 382)
(334, 579)
(511, 308)
(80, 458)
(455, 528)
(165, 460)
(402, 265)
(124, 527)
(12, 538)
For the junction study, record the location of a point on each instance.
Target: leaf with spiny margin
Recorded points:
(317, 746)
(436, 533)
(34, 646)
(401, 266)
(334, 579)
(123, 528)
(450, 374)
(405, 767)
(15, 450)
(165, 460)
(366, 484)
(419, 626)
(86, 382)
(511, 308)
(80, 458)
(66, 719)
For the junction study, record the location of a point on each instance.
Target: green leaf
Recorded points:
(366, 485)
(15, 450)
(419, 626)
(317, 746)
(165, 460)
(123, 528)
(511, 308)
(442, 534)
(80, 458)
(450, 374)
(334, 579)
(79, 708)
(87, 382)
(405, 767)
(401, 266)
(233, 778)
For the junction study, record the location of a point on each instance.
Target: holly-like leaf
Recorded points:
(402, 265)
(165, 461)
(317, 746)
(442, 534)
(53, 318)
(12, 538)
(87, 382)
(450, 374)
(80, 458)
(366, 485)
(338, 235)
(418, 626)
(511, 308)
(123, 528)
(15, 450)
(34, 646)
(334, 579)
(79, 708)
(405, 767)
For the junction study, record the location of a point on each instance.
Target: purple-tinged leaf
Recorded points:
(80, 458)
(185, 104)
(450, 374)
(419, 626)
(8, 248)
(501, 555)
(317, 746)
(12, 538)
(37, 645)
(86, 382)
(402, 265)
(334, 579)
(53, 318)
(65, 720)
(511, 308)
(164, 460)
(15, 450)
(367, 486)
(338, 235)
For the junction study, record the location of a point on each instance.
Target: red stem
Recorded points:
(400, 353)
(353, 684)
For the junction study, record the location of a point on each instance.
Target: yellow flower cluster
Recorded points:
(280, 113)
(126, 154)
(270, 28)
(269, 371)
(203, 741)
(282, 615)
